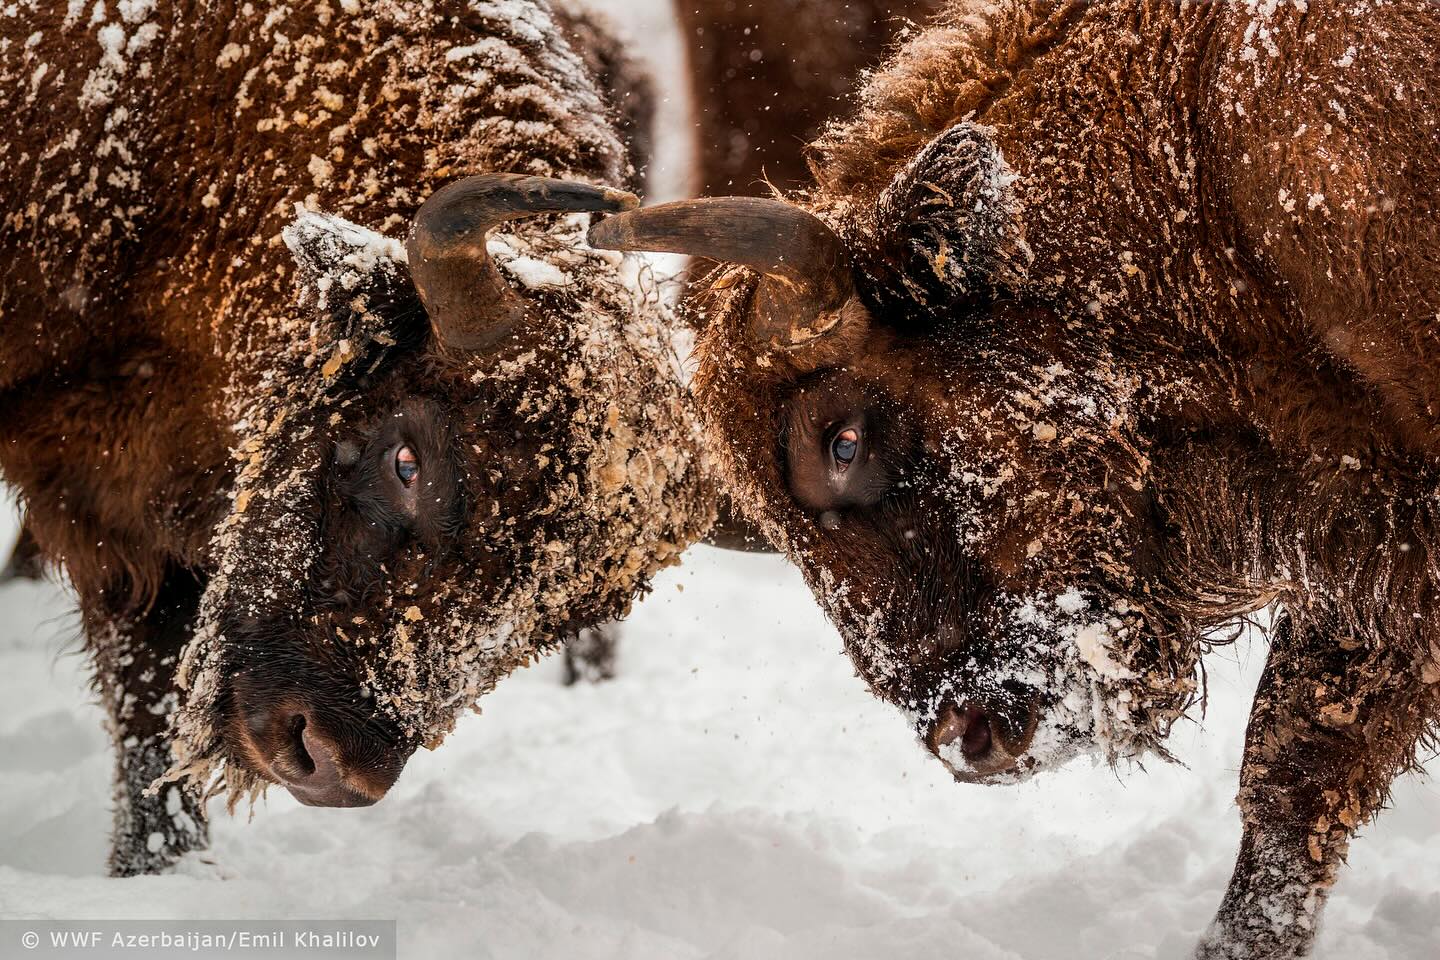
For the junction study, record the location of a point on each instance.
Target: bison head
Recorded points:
(953, 459)
(457, 452)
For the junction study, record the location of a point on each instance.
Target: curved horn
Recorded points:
(471, 306)
(806, 268)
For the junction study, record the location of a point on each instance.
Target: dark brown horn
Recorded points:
(807, 272)
(471, 306)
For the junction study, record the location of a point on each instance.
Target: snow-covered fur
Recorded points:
(225, 369)
(1144, 339)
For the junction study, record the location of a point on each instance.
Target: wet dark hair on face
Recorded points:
(375, 512)
(841, 445)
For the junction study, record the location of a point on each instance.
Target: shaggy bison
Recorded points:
(1105, 324)
(317, 485)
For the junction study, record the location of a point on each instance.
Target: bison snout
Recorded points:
(980, 743)
(322, 764)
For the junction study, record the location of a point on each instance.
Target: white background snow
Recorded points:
(735, 793)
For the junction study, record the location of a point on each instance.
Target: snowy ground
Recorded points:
(736, 793)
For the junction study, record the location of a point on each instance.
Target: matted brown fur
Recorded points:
(1145, 340)
(208, 318)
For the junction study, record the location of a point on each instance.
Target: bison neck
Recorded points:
(1135, 175)
(1096, 119)
(124, 190)
(1347, 550)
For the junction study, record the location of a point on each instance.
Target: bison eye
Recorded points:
(407, 466)
(844, 447)
(838, 445)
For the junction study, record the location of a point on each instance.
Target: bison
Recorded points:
(319, 480)
(764, 77)
(1103, 325)
(767, 75)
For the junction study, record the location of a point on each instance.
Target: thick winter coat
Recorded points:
(1105, 324)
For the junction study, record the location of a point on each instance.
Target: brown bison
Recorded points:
(765, 77)
(318, 485)
(1103, 325)
(767, 74)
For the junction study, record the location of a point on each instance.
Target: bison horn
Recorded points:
(806, 269)
(471, 306)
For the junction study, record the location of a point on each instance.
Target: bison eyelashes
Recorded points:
(404, 467)
(835, 467)
(838, 447)
(407, 466)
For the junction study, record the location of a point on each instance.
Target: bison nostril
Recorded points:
(278, 735)
(976, 742)
(325, 769)
(970, 725)
(323, 760)
(304, 761)
(949, 727)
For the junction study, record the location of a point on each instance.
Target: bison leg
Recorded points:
(26, 561)
(590, 654)
(1334, 720)
(135, 659)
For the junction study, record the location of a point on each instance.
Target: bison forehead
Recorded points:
(616, 488)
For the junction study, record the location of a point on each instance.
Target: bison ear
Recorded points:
(948, 226)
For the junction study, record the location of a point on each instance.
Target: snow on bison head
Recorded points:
(965, 495)
(479, 445)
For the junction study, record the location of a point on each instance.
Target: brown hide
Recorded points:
(1143, 339)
